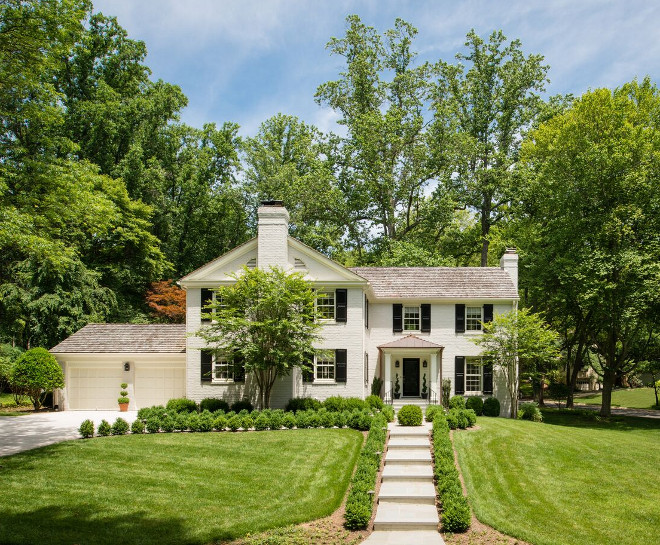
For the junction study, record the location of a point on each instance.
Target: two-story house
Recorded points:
(411, 326)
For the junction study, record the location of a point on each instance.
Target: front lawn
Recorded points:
(183, 488)
(8, 406)
(633, 398)
(569, 480)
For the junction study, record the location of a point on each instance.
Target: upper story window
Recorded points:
(411, 318)
(325, 304)
(473, 318)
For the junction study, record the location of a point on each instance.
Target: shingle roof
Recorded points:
(410, 341)
(125, 338)
(439, 282)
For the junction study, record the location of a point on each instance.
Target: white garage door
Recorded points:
(157, 385)
(94, 387)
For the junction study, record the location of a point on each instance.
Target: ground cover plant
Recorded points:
(633, 398)
(575, 479)
(146, 485)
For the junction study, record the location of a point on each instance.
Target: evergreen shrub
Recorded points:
(410, 415)
(491, 407)
(476, 404)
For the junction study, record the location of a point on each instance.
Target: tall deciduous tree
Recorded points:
(597, 209)
(267, 321)
(516, 341)
(167, 301)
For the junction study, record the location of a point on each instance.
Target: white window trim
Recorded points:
(479, 361)
(334, 305)
(479, 330)
(419, 319)
(331, 356)
(230, 370)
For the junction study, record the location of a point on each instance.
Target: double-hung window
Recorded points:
(473, 375)
(325, 366)
(411, 318)
(325, 304)
(223, 370)
(473, 318)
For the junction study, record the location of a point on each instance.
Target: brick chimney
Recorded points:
(509, 262)
(272, 235)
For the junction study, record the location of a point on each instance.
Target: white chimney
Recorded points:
(272, 235)
(509, 262)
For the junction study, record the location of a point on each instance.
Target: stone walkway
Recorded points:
(406, 512)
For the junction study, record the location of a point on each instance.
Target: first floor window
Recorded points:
(411, 318)
(325, 304)
(473, 375)
(473, 318)
(325, 366)
(223, 370)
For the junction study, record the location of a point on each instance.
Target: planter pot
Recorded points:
(424, 396)
(123, 407)
(397, 396)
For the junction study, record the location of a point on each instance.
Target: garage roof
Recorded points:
(125, 338)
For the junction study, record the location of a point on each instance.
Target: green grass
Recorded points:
(634, 398)
(570, 480)
(8, 400)
(182, 488)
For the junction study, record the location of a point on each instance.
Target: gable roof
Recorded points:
(438, 282)
(125, 338)
(411, 341)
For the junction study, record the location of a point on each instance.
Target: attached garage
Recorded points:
(96, 360)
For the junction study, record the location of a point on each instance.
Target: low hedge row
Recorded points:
(461, 418)
(456, 515)
(360, 502)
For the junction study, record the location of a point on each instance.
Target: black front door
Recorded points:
(411, 377)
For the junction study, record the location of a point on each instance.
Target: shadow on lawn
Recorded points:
(591, 419)
(84, 526)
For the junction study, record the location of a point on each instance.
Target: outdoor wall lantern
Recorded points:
(127, 366)
(424, 364)
(396, 363)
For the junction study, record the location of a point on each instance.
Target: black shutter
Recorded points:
(366, 311)
(308, 373)
(239, 368)
(459, 375)
(460, 318)
(426, 318)
(488, 313)
(206, 300)
(206, 359)
(397, 318)
(341, 297)
(488, 377)
(340, 365)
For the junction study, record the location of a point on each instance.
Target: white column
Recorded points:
(434, 374)
(388, 372)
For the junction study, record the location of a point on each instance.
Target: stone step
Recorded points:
(408, 472)
(407, 456)
(408, 431)
(407, 491)
(402, 537)
(406, 441)
(406, 516)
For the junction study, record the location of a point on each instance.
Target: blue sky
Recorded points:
(245, 61)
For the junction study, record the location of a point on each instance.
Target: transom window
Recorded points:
(222, 369)
(325, 304)
(411, 318)
(473, 375)
(473, 318)
(325, 366)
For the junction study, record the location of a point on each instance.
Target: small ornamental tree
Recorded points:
(517, 338)
(37, 372)
(266, 321)
(167, 301)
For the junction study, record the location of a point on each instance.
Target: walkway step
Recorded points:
(412, 472)
(408, 442)
(408, 431)
(404, 516)
(407, 491)
(398, 537)
(407, 456)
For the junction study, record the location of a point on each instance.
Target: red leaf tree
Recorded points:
(167, 301)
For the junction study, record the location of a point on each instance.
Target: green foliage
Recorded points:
(432, 410)
(181, 405)
(388, 412)
(153, 424)
(242, 405)
(137, 426)
(491, 407)
(296, 404)
(220, 422)
(235, 422)
(375, 402)
(104, 428)
(446, 392)
(212, 404)
(558, 391)
(262, 422)
(86, 429)
(335, 403)
(168, 424)
(530, 411)
(36, 372)
(457, 402)
(409, 415)
(376, 386)
(289, 420)
(476, 404)
(8, 355)
(120, 427)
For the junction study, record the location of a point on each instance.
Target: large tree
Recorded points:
(595, 171)
(266, 321)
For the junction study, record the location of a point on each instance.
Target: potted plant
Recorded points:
(123, 399)
(397, 387)
(424, 388)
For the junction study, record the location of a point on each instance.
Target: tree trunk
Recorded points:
(541, 388)
(609, 377)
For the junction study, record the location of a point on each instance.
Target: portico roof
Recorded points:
(411, 341)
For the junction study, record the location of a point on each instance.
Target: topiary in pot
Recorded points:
(409, 415)
(397, 387)
(123, 399)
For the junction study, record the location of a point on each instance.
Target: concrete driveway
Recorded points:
(19, 433)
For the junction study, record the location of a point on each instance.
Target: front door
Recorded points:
(411, 377)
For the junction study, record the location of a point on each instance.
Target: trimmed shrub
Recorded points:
(234, 422)
(341, 419)
(247, 422)
(120, 427)
(355, 403)
(205, 422)
(302, 419)
(375, 402)
(315, 420)
(335, 404)
(296, 404)
(388, 412)
(276, 418)
(455, 508)
(168, 424)
(471, 417)
(491, 407)
(137, 426)
(530, 411)
(410, 415)
(86, 429)
(457, 402)
(181, 405)
(220, 423)
(359, 504)
(147, 412)
(194, 422)
(104, 428)
(262, 422)
(476, 404)
(180, 421)
(36, 373)
(452, 419)
(212, 405)
(327, 419)
(153, 425)
(289, 420)
(432, 410)
(242, 405)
